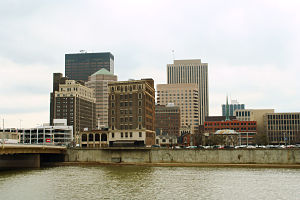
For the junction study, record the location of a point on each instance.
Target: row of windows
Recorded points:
(126, 88)
(125, 127)
(93, 137)
(283, 122)
(290, 116)
(126, 134)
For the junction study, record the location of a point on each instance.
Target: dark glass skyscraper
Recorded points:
(80, 66)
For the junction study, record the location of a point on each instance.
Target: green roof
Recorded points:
(103, 71)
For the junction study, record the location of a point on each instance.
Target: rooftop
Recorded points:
(103, 71)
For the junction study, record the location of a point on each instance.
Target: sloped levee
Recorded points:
(148, 155)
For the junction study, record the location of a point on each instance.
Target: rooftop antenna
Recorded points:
(83, 51)
(173, 54)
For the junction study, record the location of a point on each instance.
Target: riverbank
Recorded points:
(187, 157)
(56, 164)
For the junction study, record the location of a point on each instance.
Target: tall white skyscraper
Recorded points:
(192, 71)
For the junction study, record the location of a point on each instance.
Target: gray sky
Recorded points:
(251, 47)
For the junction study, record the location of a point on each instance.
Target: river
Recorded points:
(140, 182)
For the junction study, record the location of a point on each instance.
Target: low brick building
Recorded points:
(245, 129)
(94, 138)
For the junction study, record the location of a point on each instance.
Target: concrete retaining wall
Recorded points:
(244, 156)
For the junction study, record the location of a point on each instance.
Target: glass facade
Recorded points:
(81, 65)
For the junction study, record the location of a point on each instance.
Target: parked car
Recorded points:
(191, 147)
(155, 146)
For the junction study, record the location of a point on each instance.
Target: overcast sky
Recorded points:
(251, 47)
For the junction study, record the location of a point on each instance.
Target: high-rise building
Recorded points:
(184, 96)
(167, 119)
(73, 101)
(192, 71)
(99, 82)
(282, 128)
(80, 66)
(131, 115)
(235, 105)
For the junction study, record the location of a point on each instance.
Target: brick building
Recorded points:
(167, 119)
(245, 129)
(73, 101)
(131, 115)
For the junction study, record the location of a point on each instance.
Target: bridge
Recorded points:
(22, 156)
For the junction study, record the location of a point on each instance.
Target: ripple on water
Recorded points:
(136, 182)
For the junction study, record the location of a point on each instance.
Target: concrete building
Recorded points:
(58, 134)
(165, 140)
(79, 66)
(99, 82)
(253, 115)
(192, 71)
(234, 105)
(246, 129)
(167, 119)
(73, 101)
(282, 128)
(184, 96)
(94, 138)
(131, 116)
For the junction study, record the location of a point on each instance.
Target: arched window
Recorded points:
(84, 138)
(97, 137)
(103, 137)
(91, 137)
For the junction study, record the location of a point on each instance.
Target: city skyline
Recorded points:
(251, 48)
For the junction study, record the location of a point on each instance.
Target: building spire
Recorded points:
(227, 109)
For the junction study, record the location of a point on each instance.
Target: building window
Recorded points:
(140, 134)
(140, 119)
(121, 134)
(91, 137)
(126, 134)
(97, 137)
(130, 134)
(84, 137)
(140, 103)
(112, 105)
(140, 96)
(112, 135)
(103, 137)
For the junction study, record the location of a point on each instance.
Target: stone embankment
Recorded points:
(186, 157)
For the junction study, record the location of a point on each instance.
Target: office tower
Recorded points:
(167, 119)
(282, 128)
(73, 101)
(192, 71)
(99, 82)
(80, 66)
(132, 113)
(184, 96)
(234, 105)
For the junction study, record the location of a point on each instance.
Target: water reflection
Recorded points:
(139, 182)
